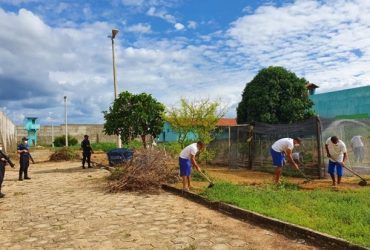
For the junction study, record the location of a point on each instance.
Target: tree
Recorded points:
(199, 117)
(275, 95)
(134, 115)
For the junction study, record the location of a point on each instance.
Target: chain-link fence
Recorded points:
(356, 135)
(249, 145)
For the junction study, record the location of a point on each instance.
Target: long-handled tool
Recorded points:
(304, 176)
(211, 184)
(363, 182)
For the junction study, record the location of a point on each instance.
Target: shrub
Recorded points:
(206, 156)
(60, 141)
(173, 148)
(103, 146)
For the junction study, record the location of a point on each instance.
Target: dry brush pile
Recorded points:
(146, 172)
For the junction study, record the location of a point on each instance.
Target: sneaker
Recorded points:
(83, 167)
(20, 179)
(2, 195)
(90, 167)
(27, 178)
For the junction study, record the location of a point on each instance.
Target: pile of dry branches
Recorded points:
(146, 172)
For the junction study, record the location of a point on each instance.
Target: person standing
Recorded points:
(24, 159)
(358, 148)
(3, 162)
(279, 149)
(86, 151)
(337, 153)
(187, 161)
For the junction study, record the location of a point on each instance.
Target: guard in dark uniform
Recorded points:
(3, 160)
(24, 159)
(86, 151)
(2, 172)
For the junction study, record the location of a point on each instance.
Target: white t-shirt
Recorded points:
(283, 144)
(186, 153)
(356, 141)
(336, 150)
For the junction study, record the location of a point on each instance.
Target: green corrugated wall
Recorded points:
(351, 103)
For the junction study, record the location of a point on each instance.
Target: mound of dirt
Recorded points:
(146, 172)
(64, 154)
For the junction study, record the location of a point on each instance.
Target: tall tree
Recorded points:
(199, 117)
(134, 115)
(275, 95)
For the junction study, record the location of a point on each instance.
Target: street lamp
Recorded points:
(114, 33)
(50, 118)
(65, 119)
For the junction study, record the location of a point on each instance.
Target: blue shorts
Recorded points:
(331, 168)
(185, 167)
(277, 158)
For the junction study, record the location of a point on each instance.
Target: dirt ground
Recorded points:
(66, 207)
(249, 177)
(243, 176)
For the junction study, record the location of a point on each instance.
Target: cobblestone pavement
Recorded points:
(65, 207)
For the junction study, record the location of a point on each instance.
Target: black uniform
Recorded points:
(24, 161)
(2, 173)
(86, 152)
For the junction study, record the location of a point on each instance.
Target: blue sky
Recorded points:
(171, 49)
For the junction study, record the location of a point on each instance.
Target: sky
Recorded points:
(171, 49)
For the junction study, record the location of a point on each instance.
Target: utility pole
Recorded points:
(114, 33)
(65, 119)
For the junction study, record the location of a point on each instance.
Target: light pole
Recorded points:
(114, 33)
(52, 128)
(65, 119)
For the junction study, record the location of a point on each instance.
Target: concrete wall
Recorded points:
(95, 132)
(7, 132)
(349, 102)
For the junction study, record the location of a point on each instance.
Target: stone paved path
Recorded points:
(65, 207)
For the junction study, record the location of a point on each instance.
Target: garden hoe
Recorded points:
(211, 184)
(363, 182)
(304, 176)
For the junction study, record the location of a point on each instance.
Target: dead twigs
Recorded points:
(146, 172)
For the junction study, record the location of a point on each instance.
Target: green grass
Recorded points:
(103, 146)
(345, 214)
(356, 116)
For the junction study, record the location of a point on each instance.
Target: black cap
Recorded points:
(24, 139)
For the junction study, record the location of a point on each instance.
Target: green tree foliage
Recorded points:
(275, 95)
(199, 117)
(60, 141)
(134, 115)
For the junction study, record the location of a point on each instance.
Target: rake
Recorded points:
(211, 184)
(363, 182)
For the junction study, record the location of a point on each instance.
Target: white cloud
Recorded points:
(192, 25)
(161, 14)
(139, 28)
(50, 62)
(312, 38)
(179, 26)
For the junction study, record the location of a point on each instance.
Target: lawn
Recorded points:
(344, 213)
